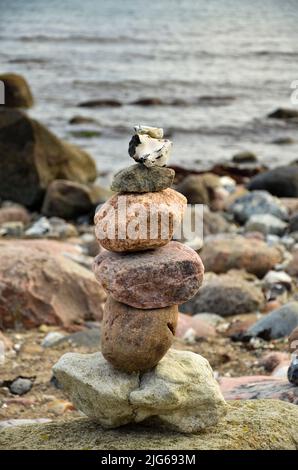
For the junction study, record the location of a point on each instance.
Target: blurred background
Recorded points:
(208, 72)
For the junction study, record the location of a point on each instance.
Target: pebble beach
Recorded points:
(220, 308)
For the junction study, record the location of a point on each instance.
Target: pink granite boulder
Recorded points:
(157, 278)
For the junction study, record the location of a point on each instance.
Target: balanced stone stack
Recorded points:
(145, 273)
(146, 276)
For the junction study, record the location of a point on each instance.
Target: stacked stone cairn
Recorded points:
(146, 276)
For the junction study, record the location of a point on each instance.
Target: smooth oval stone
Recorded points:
(140, 179)
(133, 339)
(136, 222)
(157, 278)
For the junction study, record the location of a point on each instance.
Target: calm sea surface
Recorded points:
(230, 62)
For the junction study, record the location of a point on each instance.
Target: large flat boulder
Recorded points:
(38, 285)
(248, 425)
(31, 157)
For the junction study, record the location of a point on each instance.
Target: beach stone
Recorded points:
(134, 339)
(140, 179)
(266, 223)
(277, 324)
(14, 213)
(181, 391)
(292, 373)
(272, 423)
(283, 113)
(293, 340)
(20, 386)
(125, 222)
(31, 157)
(214, 222)
(9, 423)
(38, 285)
(219, 255)
(245, 157)
(100, 103)
(256, 203)
(158, 278)
(291, 204)
(226, 295)
(68, 199)
(292, 266)
(17, 91)
(258, 387)
(199, 189)
(293, 223)
(281, 181)
(201, 328)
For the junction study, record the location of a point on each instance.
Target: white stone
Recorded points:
(180, 391)
(266, 224)
(155, 132)
(148, 147)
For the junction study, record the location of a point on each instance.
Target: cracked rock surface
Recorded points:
(180, 391)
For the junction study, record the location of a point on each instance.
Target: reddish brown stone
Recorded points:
(14, 214)
(158, 278)
(39, 286)
(255, 256)
(134, 339)
(132, 223)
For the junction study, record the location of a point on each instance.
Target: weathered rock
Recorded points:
(292, 266)
(210, 318)
(22, 422)
(293, 373)
(277, 324)
(245, 157)
(201, 328)
(51, 228)
(180, 390)
(133, 339)
(100, 103)
(14, 213)
(78, 119)
(226, 295)
(255, 256)
(140, 179)
(68, 199)
(291, 204)
(293, 341)
(199, 189)
(89, 338)
(255, 203)
(271, 425)
(214, 222)
(17, 92)
(281, 181)
(159, 278)
(283, 113)
(258, 387)
(135, 222)
(293, 224)
(31, 157)
(38, 286)
(148, 102)
(266, 223)
(20, 386)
